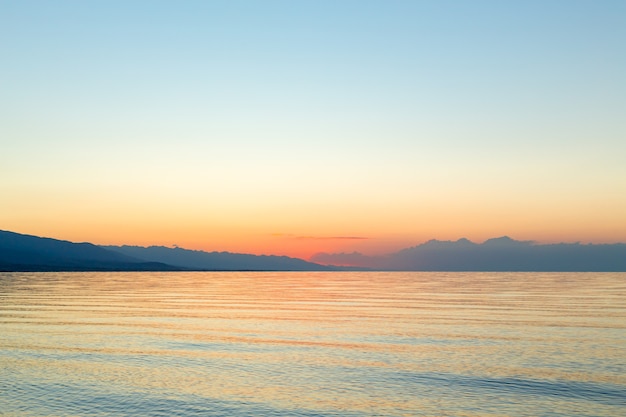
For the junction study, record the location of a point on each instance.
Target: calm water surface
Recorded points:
(312, 344)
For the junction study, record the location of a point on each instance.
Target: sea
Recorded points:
(312, 344)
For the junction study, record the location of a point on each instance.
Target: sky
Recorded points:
(297, 127)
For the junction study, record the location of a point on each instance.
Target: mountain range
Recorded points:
(498, 254)
(19, 252)
(217, 261)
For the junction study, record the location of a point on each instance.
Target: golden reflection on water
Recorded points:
(470, 344)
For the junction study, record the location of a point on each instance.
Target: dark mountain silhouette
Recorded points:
(499, 254)
(218, 261)
(20, 252)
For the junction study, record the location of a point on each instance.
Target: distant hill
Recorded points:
(499, 254)
(20, 252)
(217, 261)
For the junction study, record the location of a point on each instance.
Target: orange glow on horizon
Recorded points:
(300, 246)
(302, 228)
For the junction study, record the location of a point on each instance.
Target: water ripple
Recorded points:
(312, 344)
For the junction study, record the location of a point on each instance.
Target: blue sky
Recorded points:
(399, 121)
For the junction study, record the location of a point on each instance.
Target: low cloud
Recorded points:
(299, 237)
(330, 237)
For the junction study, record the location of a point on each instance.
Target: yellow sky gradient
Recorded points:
(303, 228)
(280, 130)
